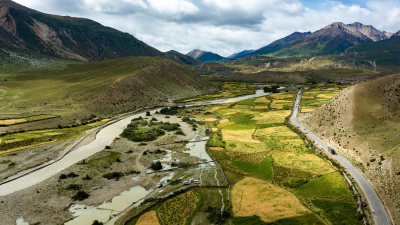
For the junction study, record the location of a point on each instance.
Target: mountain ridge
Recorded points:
(67, 37)
(332, 39)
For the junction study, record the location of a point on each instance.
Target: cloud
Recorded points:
(222, 26)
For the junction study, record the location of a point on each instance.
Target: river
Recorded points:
(103, 138)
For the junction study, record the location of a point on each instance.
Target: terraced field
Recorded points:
(270, 166)
(22, 140)
(228, 90)
(318, 95)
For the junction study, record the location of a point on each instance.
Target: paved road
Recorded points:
(379, 213)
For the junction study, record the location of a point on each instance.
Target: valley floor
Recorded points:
(259, 161)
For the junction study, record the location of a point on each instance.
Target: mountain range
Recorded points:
(332, 39)
(24, 29)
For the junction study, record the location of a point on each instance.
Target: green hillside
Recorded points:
(76, 89)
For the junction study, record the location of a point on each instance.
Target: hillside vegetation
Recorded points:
(76, 90)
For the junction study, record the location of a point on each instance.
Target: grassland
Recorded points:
(254, 146)
(75, 90)
(7, 122)
(227, 90)
(318, 95)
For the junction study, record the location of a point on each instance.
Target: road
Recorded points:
(378, 210)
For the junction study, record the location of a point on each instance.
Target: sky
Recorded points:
(222, 26)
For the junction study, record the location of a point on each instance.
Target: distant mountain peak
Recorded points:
(204, 56)
(359, 30)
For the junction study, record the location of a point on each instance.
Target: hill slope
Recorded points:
(22, 28)
(385, 53)
(362, 123)
(110, 87)
(182, 58)
(205, 56)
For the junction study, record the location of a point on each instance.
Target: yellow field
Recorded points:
(224, 123)
(272, 117)
(216, 149)
(178, 210)
(239, 136)
(149, 218)
(261, 107)
(251, 196)
(12, 121)
(279, 104)
(235, 146)
(306, 162)
(280, 131)
(262, 100)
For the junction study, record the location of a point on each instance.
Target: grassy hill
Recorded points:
(75, 89)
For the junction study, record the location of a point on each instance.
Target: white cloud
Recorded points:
(222, 26)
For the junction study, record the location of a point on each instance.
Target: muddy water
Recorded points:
(108, 210)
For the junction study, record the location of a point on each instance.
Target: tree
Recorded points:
(156, 166)
(148, 113)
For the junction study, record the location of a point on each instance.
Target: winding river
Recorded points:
(103, 138)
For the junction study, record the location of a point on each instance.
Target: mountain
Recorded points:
(182, 58)
(241, 54)
(385, 54)
(279, 44)
(24, 29)
(332, 39)
(205, 56)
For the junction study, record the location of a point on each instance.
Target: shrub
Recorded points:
(108, 147)
(113, 175)
(74, 187)
(180, 132)
(148, 113)
(96, 222)
(156, 166)
(80, 195)
(62, 177)
(87, 177)
(72, 175)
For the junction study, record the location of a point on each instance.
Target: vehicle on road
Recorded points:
(331, 150)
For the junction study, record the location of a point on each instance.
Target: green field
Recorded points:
(318, 95)
(253, 141)
(7, 122)
(20, 139)
(228, 90)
